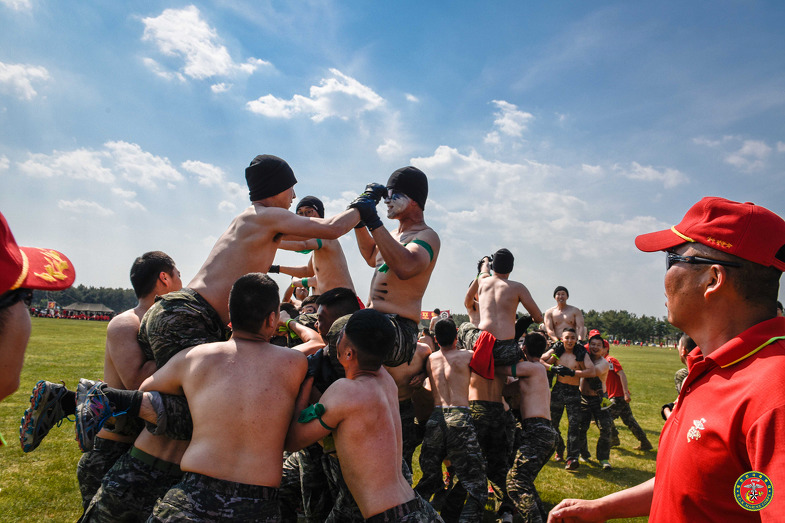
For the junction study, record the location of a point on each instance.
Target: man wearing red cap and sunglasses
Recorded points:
(23, 269)
(718, 455)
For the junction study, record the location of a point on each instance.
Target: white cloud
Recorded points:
(228, 207)
(81, 164)
(411, 98)
(135, 205)
(122, 193)
(751, 156)
(236, 191)
(84, 207)
(389, 149)
(712, 143)
(141, 167)
(669, 177)
(5, 163)
(339, 96)
(18, 79)
(18, 5)
(184, 34)
(509, 122)
(156, 68)
(208, 174)
(591, 169)
(220, 88)
(781, 147)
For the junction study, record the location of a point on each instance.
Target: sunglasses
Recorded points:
(11, 297)
(672, 257)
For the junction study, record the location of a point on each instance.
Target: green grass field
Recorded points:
(41, 485)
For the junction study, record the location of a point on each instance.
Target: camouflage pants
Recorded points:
(406, 332)
(94, 464)
(539, 441)
(414, 511)
(569, 397)
(345, 509)
(175, 322)
(130, 490)
(621, 409)
(491, 424)
(202, 498)
(304, 484)
(505, 352)
(409, 430)
(450, 434)
(590, 408)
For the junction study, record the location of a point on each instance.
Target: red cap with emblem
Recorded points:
(746, 230)
(31, 267)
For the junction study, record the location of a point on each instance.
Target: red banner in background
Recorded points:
(427, 315)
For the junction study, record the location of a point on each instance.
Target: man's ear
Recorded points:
(271, 321)
(715, 280)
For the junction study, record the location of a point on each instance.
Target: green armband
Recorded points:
(550, 367)
(289, 330)
(513, 370)
(555, 356)
(314, 412)
(305, 282)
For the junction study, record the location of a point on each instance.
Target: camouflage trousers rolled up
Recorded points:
(130, 489)
(591, 409)
(408, 430)
(304, 485)
(93, 465)
(569, 397)
(450, 434)
(202, 498)
(414, 511)
(491, 424)
(505, 352)
(538, 443)
(621, 409)
(406, 332)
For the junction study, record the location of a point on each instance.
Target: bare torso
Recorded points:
(556, 320)
(403, 374)
(330, 267)
(568, 360)
(449, 375)
(392, 295)
(481, 389)
(601, 367)
(498, 301)
(535, 391)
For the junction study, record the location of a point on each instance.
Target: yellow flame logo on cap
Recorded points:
(54, 269)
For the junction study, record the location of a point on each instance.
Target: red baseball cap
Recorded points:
(746, 230)
(593, 333)
(31, 267)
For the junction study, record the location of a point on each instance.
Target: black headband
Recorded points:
(267, 176)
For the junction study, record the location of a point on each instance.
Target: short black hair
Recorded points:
(561, 288)
(535, 344)
(372, 335)
(145, 271)
(309, 300)
(289, 308)
(569, 329)
(340, 300)
(437, 311)
(445, 332)
(688, 342)
(252, 299)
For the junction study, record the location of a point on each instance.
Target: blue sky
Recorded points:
(559, 130)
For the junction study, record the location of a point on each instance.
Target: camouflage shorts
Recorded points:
(202, 498)
(491, 424)
(505, 352)
(177, 321)
(408, 430)
(414, 511)
(93, 465)
(130, 489)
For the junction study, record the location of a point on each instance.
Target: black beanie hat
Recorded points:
(311, 201)
(412, 182)
(267, 176)
(503, 261)
(561, 288)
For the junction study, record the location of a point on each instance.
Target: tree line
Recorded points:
(116, 299)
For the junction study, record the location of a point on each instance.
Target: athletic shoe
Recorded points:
(645, 445)
(44, 413)
(572, 464)
(92, 410)
(606, 465)
(557, 458)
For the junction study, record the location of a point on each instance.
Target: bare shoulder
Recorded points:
(124, 322)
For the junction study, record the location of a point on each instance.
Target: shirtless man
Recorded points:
(593, 398)
(538, 438)
(196, 315)
(403, 259)
(361, 412)
(561, 316)
(233, 475)
(573, 364)
(327, 263)
(409, 377)
(450, 432)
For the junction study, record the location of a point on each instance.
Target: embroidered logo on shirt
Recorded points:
(694, 432)
(753, 491)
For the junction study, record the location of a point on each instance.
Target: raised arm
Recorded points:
(366, 245)
(528, 303)
(300, 435)
(471, 293)
(312, 244)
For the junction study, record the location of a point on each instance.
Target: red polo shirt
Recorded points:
(613, 382)
(729, 420)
